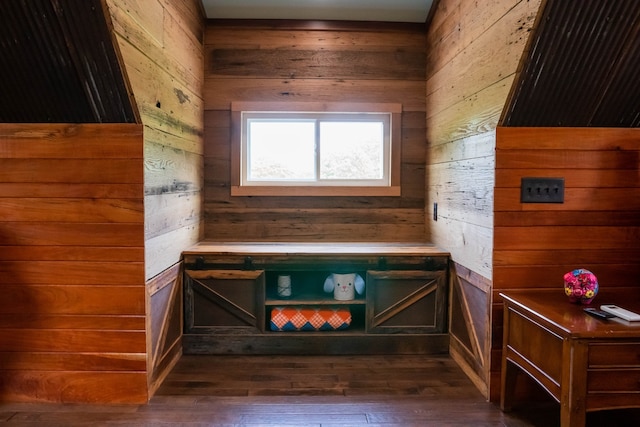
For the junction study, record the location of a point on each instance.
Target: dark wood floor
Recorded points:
(307, 391)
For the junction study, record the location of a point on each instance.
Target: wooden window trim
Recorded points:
(297, 190)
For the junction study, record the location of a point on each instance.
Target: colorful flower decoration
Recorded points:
(581, 286)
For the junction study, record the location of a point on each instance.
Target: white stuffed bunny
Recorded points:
(344, 286)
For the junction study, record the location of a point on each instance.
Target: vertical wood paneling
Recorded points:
(597, 227)
(162, 47)
(72, 263)
(473, 51)
(329, 63)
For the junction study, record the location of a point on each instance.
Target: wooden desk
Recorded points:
(585, 363)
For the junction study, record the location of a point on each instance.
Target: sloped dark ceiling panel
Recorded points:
(58, 64)
(582, 67)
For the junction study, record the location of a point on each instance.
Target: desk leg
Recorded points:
(509, 376)
(509, 370)
(573, 390)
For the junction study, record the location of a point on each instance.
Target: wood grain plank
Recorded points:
(575, 199)
(219, 93)
(72, 190)
(470, 245)
(88, 387)
(180, 107)
(445, 39)
(72, 210)
(63, 141)
(329, 39)
(316, 232)
(165, 250)
(555, 217)
(460, 77)
(573, 178)
(223, 216)
(76, 272)
(72, 234)
(71, 321)
(567, 138)
(314, 63)
(71, 299)
(520, 277)
(482, 113)
(72, 253)
(57, 340)
(568, 159)
(575, 256)
(144, 29)
(170, 170)
(90, 171)
(54, 361)
(569, 237)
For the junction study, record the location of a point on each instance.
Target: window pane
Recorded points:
(351, 150)
(281, 150)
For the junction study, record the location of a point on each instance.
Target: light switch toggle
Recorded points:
(541, 190)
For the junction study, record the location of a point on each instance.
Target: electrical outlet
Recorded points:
(542, 190)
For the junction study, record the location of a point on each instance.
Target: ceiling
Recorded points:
(341, 10)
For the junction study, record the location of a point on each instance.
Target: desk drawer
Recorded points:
(622, 380)
(624, 354)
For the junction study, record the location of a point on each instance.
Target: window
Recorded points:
(302, 149)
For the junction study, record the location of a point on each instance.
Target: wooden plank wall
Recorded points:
(597, 227)
(473, 51)
(161, 43)
(72, 311)
(328, 62)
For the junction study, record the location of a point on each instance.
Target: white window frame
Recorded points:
(389, 185)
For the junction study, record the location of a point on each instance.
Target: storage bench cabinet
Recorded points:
(231, 297)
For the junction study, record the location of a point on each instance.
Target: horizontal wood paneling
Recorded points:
(70, 253)
(69, 141)
(59, 171)
(473, 52)
(580, 256)
(71, 321)
(335, 62)
(304, 35)
(314, 63)
(219, 93)
(87, 387)
(162, 46)
(597, 227)
(75, 272)
(72, 263)
(72, 190)
(74, 341)
(64, 299)
(50, 361)
(73, 219)
(71, 210)
(70, 233)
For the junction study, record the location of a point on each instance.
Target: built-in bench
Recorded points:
(231, 298)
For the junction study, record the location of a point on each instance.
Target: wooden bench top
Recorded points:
(325, 248)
